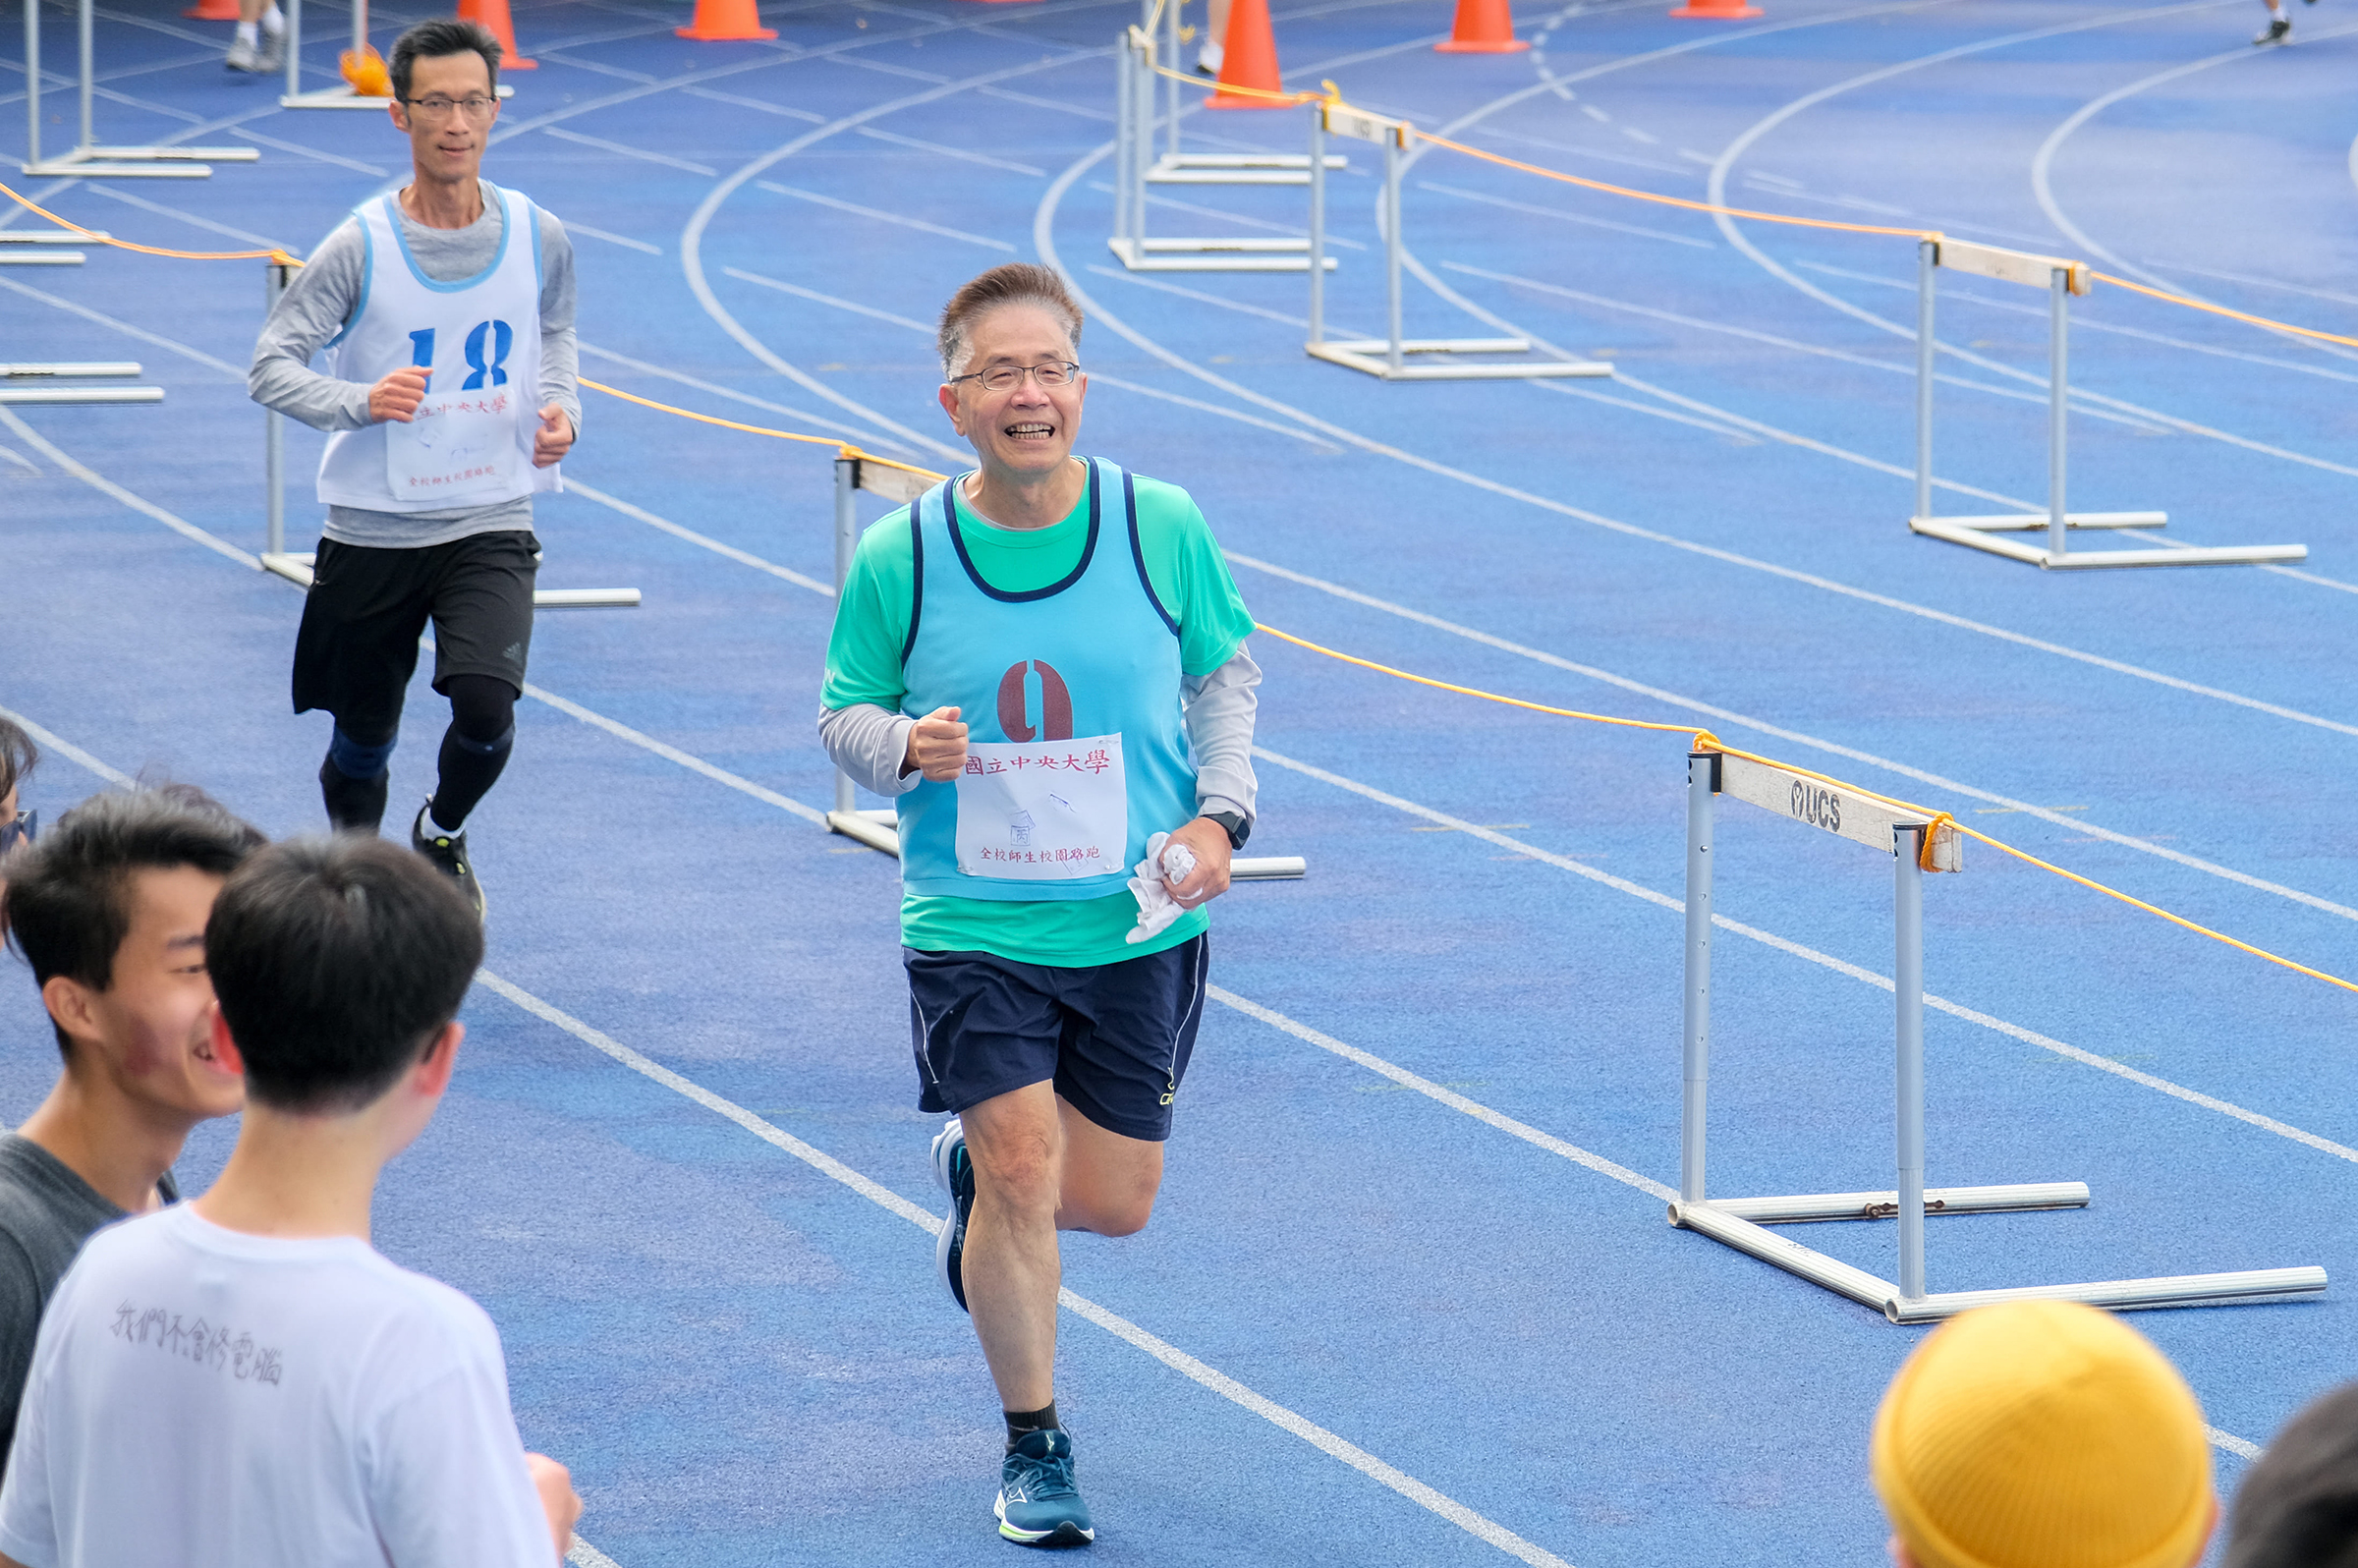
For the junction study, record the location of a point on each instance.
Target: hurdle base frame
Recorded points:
(1236, 168)
(1209, 255)
(1374, 356)
(1985, 534)
(137, 163)
(1916, 844)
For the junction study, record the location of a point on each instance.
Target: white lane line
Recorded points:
(1446, 1096)
(172, 345)
(1812, 955)
(707, 541)
(1141, 389)
(1174, 205)
(672, 754)
(816, 422)
(106, 486)
(315, 154)
(1799, 737)
(960, 153)
(1794, 345)
(581, 1554)
(1742, 437)
(1043, 240)
(2082, 323)
(741, 102)
(587, 1557)
(1566, 217)
(1186, 1365)
(577, 226)
(2241, 1447)
(1201, 297)
(624, 149)
(1717, 193)
(799, 292)
(226, 230)
(901, 218)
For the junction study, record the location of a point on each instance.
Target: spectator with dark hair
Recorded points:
(446, 309)
(18, 759)
(2299, 1505)
(2042, 1432)
(109, 909)
(244, 1381)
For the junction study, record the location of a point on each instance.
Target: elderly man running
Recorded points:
(1045, 658)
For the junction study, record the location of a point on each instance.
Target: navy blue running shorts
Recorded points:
(1115, 1038)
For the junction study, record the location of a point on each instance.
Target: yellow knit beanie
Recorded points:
(2043, 1435)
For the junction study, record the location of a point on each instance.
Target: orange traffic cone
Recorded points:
(724, 18)
(1249, 59)
(493, 13)
(1717, 11)
(213, 11)
(1483, 26)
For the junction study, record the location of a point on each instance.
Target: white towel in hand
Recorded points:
(1160, 871)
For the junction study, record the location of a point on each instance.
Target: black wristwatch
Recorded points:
(1238, 828)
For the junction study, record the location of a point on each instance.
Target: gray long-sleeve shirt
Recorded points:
(869, 743)
(322, 299)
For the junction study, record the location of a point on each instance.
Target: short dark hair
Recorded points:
(1014, 283)
(336, 962)
(67, 902)
(2299, 1505)
(18, 756)
(431, 40)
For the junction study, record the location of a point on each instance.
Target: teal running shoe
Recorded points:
(955, 1173)
(1038, 1506)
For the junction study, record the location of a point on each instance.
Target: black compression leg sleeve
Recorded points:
(352, 780)
(475, 746)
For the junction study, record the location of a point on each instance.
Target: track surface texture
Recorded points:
(1409, 1297)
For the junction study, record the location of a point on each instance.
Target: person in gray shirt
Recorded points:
(450, 395)
(109, 909)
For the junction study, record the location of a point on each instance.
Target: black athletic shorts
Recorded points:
(1113, 1038)
(358, 646)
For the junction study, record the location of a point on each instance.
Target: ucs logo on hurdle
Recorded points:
(1817, 806)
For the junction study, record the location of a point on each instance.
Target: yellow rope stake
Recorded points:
(1706, 741)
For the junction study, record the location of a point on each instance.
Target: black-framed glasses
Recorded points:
(1007, 377)
(437, 107)
(19, 831)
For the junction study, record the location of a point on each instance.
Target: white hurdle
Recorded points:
(1741, 1222)
(295, 566)
(88, 159)
(2061, 279)
(38, 238)
(1387, 357)
(1133, 155)
(881, 829)
(1175, 167)
(47, 391)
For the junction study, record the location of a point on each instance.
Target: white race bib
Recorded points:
(459, 445)
(1043, 812)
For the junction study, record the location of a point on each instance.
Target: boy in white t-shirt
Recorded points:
(244, 1381)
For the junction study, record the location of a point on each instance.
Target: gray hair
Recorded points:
(1016, 283)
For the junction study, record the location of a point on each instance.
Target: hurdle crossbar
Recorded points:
(879, 828)
(89, 160)
(1174, 167)
(1133, 148)
(2061, 279)
(1742, 1222)
(38, 257)
(91, 369)
(1386, 358)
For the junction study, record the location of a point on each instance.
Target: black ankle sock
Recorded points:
(1020, 1423)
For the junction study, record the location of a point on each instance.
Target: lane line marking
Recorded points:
(1565, 217)
(707, 541)
(902, 219)
(1823, 960)
(173, 345)
(1798, 737)
(1179, 1361)
(818, 422)
(624, 149)
(743, 276)
(577, 226)
(960, 153)
(108, 487)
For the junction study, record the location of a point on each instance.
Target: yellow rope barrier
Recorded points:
(1706, 741)
(95, 237)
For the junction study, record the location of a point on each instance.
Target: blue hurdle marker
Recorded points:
(2061, 279)
(1386, 358)
(880, 830)
(1740, 1223)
